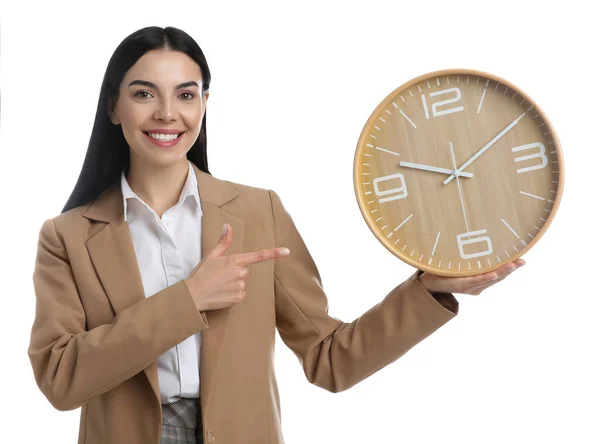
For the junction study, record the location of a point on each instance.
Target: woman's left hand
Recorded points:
(470, 284)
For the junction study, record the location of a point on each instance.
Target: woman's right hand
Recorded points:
(219, 280)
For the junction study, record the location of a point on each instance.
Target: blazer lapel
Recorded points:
(113, 256)
(213, 338)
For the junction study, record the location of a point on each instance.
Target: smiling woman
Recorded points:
(159, 287)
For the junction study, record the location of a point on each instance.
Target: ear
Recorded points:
(110, 110)
(205, 100)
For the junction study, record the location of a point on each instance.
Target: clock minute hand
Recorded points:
(485, 148)
(419, 166)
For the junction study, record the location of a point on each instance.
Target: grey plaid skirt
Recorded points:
(180, 422)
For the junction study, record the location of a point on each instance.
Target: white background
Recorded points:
(293, 85)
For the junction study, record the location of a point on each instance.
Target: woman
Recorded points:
(160, 325)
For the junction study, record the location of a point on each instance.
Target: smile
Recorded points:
(164, 140)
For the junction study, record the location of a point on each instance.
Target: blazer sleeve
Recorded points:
(72, 364)
(336, 355)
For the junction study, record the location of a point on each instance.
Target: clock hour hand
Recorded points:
(484, 149)
(420, 166)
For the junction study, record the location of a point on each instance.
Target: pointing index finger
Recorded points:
(260, 256)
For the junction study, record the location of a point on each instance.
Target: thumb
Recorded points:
(224, 242)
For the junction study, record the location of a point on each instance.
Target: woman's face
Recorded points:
(161, 91)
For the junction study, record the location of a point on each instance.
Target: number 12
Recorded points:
(436, 105)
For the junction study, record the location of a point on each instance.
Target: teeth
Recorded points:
(163, 137)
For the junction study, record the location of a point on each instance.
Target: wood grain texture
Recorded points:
(443, 119)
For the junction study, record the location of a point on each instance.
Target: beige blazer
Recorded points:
(95, 337)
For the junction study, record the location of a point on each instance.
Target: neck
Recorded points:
(158, 186)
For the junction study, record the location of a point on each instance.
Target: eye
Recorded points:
(141, 92)
(191, 96)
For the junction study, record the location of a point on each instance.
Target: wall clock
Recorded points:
(458, 172)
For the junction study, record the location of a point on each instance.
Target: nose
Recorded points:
(165, 110)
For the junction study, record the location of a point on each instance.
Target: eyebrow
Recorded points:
(152, 85)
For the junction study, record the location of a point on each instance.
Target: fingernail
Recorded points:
(512, 269)
(224, 229)
(284, 251)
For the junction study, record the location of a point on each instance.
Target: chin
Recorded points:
(159, 159)
(158, 156)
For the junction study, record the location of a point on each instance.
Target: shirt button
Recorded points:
(168, 222)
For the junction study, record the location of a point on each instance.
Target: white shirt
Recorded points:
(167, 251)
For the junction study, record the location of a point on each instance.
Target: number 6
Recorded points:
(462, 242)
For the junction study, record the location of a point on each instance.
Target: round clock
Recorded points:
(458, 172)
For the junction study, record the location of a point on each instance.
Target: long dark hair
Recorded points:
(108, 151)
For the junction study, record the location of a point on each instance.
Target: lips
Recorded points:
(164, 143)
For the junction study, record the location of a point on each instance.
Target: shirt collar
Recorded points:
(189, 188)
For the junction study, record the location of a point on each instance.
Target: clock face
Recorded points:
(458, 172)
